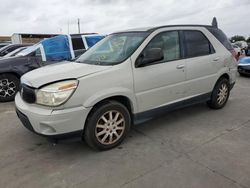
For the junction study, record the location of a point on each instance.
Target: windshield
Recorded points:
(13, 53)
(27, 50)
(113, 49)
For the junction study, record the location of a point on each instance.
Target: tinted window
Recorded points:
(77, 43)
(197, 44)
(221, 37)
(169, 43)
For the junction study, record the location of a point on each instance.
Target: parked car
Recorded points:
(3, 44)
(48, 51)
(248, 50)
(127, 77)
(13, 53)
(243, 45)
(244, 66)
(237, 49)
(11, 47)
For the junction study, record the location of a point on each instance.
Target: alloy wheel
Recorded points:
(222, 94)
(7, 88)
(110, 127)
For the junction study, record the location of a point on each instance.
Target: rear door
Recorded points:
(162, 82)
(201, 60)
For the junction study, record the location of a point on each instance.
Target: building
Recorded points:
(5, 39)
(20, 38)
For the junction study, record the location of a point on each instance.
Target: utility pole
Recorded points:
(79, 29)
(68, 26)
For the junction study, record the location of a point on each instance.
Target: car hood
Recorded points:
(60, 71)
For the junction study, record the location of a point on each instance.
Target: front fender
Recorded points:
(111, 92)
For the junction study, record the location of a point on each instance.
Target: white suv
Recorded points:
(128, 77)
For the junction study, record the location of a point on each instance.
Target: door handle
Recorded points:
(180, 66)
(216, 59)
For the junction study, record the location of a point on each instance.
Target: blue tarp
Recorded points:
(244, 61)
(57, 48)
(92, 40)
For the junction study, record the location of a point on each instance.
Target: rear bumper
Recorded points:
(51, 123)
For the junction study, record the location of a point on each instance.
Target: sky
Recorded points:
(107, 16)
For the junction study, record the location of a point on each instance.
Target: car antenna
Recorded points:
(215, 23)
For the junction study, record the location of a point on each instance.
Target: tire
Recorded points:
(220, 94)
(9, 86)
(241, 74)
(107, 125)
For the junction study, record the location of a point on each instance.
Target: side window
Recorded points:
(197, 44)
(77, 43)
(169, 43)
(38, 53)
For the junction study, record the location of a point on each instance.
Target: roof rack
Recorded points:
(189, 25)
(214, 25)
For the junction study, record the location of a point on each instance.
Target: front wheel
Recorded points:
(107, 125)
(9, 86)
(220, 94)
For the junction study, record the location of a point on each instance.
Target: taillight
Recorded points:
(234, 54)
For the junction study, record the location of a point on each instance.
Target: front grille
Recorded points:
(27, 93)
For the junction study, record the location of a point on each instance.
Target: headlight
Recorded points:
(56, 94)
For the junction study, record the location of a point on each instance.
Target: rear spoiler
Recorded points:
(215, 23)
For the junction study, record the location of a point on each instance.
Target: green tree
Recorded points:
(248, 40)
(237, 38)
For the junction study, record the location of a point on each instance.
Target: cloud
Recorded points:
(106, 16)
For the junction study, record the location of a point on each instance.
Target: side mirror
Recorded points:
(149, 56)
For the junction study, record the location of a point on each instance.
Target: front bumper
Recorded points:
(51, 123)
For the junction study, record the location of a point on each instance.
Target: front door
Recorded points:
(161, 83)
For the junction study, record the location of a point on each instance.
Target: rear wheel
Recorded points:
(9, 86)
(107, 125)
(220, 94)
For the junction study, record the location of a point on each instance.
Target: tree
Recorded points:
(238, 38)
(248, 40)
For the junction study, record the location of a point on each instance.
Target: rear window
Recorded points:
(221, 37)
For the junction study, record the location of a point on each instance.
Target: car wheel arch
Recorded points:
(224, 75)
(118, 98)
(12, 73)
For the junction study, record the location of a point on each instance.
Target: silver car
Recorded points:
(128, 77)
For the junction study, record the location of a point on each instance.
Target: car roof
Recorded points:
(152, 29)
